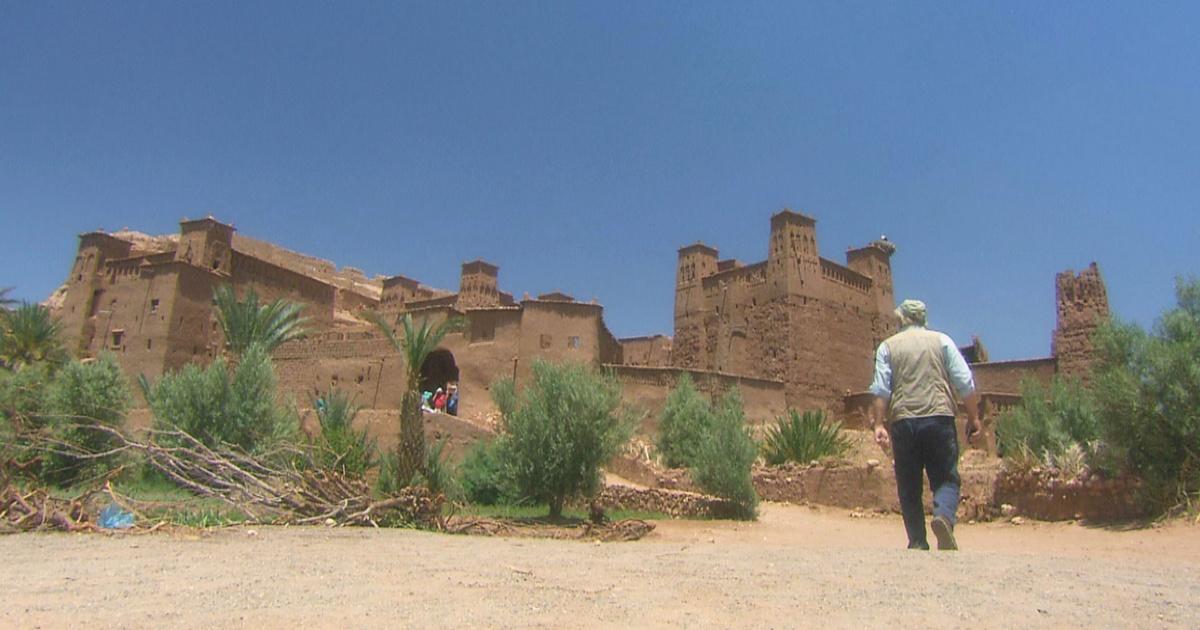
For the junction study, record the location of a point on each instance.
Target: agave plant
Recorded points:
(803, 438)
(414, 347)
(28, 334)
(246, 322)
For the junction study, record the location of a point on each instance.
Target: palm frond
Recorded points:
(247, 322)
(28, 334)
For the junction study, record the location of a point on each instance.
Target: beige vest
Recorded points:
(920, 380)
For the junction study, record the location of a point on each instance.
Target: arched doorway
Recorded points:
(438, 370)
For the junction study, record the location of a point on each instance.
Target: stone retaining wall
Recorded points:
(677, 503)
(1042, 494)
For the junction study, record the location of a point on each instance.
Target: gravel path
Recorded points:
(797, 567)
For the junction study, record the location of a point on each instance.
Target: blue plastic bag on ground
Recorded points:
(113, 517)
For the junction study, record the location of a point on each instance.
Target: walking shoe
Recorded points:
(944, 532)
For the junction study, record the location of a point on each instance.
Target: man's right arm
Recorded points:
(881, 387)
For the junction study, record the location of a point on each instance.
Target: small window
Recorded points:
(573, 343)
(546, 341)
(147, 344)
(154, 305)
(118, 337)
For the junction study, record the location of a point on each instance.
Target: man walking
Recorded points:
(917, 372)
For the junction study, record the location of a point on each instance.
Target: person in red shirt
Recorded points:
(439, 400)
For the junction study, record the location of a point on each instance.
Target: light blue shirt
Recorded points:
(956, 367)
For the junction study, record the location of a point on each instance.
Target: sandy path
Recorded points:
(797, 567)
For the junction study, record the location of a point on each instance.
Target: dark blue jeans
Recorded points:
(928, 444)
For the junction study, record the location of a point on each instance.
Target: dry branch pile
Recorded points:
(30, 510)
(280, 487)
(294, 492)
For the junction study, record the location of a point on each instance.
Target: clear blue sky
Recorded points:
(579, 145)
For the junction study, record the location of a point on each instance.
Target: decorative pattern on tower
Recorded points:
(478, 287)
(1082, 306)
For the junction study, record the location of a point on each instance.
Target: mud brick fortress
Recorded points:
(797, 318)
(796, 330)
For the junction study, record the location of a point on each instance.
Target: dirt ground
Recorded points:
(796, 567)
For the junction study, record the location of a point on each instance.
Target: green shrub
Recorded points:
(438, 474)
(803, 438)
(215, 406)
(1051, 421)
(482, 478)
(388, 482)
(23, 397)
(685, 418)
(725, 456)
(83, 395)
(339, 446)
(1147, 386)
(22, 402)
(559, 430)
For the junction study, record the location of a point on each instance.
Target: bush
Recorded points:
(437, 477)
(558, 432)
(388, 482)
(685, 418)
(803, 438)
(438, 474)
(23, 397)
(84, 395)
(1049, 422)
(215, 406)
(482, 478)
(724, 457)
(339, 446)
(1147, 386)
(22, 401)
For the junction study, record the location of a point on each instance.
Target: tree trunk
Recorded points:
(410, 451)
(556, 507)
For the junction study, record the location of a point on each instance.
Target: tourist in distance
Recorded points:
(427, 401)
(917, 372)
(439, 400)
(452, 399)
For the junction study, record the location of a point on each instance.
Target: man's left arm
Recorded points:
(964, 383)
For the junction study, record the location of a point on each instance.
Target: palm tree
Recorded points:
(29, 334)
(247, 322)
(5, 301)
(416, 345)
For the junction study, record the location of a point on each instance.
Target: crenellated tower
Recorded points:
(793, 258)
(696, 262)
(875, 262)
(1082, 301)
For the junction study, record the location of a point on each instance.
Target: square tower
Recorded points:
(479, 286)
(206, 243)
